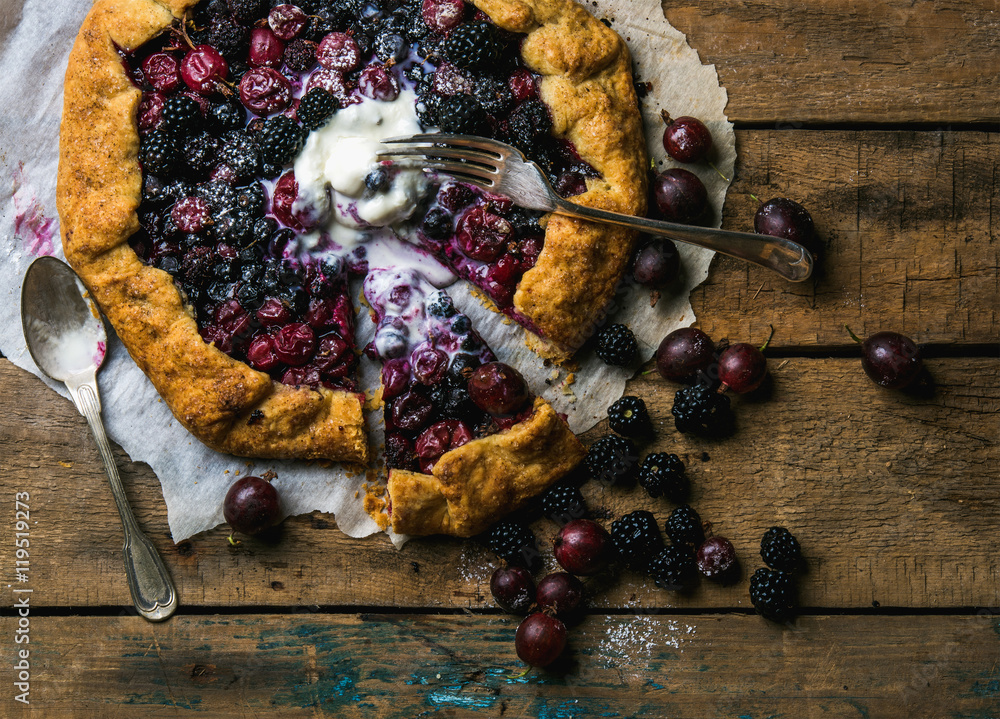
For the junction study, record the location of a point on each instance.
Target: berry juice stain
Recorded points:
(31, 226)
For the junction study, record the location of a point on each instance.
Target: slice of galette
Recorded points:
(465, 440)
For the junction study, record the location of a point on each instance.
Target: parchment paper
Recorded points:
(35, 39)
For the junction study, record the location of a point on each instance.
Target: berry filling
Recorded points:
(240, 110)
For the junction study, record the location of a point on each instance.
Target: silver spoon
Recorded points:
(67, 341)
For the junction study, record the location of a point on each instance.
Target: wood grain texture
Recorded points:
(312, 665)
(833, 62)
(910, 223)
(890, 494)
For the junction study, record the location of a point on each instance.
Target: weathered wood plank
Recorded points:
(830, 61)
(464, 666)
(911, 229)
(893, 497)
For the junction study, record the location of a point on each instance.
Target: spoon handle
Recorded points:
(152, 590)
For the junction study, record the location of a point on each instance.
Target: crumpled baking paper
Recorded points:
(35, 39)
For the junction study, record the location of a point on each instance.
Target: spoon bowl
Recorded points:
(62, 327)
(65, 336)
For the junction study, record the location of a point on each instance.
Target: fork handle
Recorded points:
(789, 259)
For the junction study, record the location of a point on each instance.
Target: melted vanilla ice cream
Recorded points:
(336, 159)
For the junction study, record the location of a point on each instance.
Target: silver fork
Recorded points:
(500, 168)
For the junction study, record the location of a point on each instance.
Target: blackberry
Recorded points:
(196, 265)
(391, 43)
(662, 474)
(514, 543)
(250, 295)
(473, 46)
(226, 115)
(773, 594)
(437, 224)
(612, 460)
(300, 54)
(673, 568)
(636, 538)
(461, 114)
(616, 345)
(316, 108)
(461, 366)
(780, 550)
(440, 305)
(159, 153)
(181, 115)
(628, 416)
(247, 11)
(494, 96)
(527, 123)
(219, 195)
(281, 140)
(251, 199)
(201, 152)
(683, 526)
(241, 153)
(227, 36)
(233, 227)
(563, 503)
(699, 409)
(377, 181)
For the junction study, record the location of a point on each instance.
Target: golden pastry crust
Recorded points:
(475, 485)
(587, 86)
(223, 402)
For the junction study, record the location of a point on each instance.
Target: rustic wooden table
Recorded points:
(882, 119)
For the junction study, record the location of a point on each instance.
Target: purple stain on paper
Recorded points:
(31, 226)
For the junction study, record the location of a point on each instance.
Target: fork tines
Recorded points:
(465, 157)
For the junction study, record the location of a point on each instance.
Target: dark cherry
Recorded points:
(395, 377)
(483, 235)
(890, 359)
(339, 51)
(266, 48)
(583, 547)
(333, 82)
(498, 389)
(150, 112)
(686, 139)
(716, 558)
(742, 367)
(377, 83)
(680, 195)
(656, 264)
(540, 639)
(251, 505)
(261, 355)
(295, 343)
(442, 15)
(203, 69)
(513, 589)
(163, 71)
(273, 312)
(333, 357)
(286, 189)
(411, 411)
(287, 21)
(430, 365)
(786, 218)
(560, 592)
(191, 214)
(522, 85)
(440, 437)
(683, 354)
(264, 90)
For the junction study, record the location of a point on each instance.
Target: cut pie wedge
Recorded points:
(465, 441)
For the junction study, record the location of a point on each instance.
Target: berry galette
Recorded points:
(219, 191)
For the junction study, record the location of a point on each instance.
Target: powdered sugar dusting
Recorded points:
(31, 226)
(632, 641)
